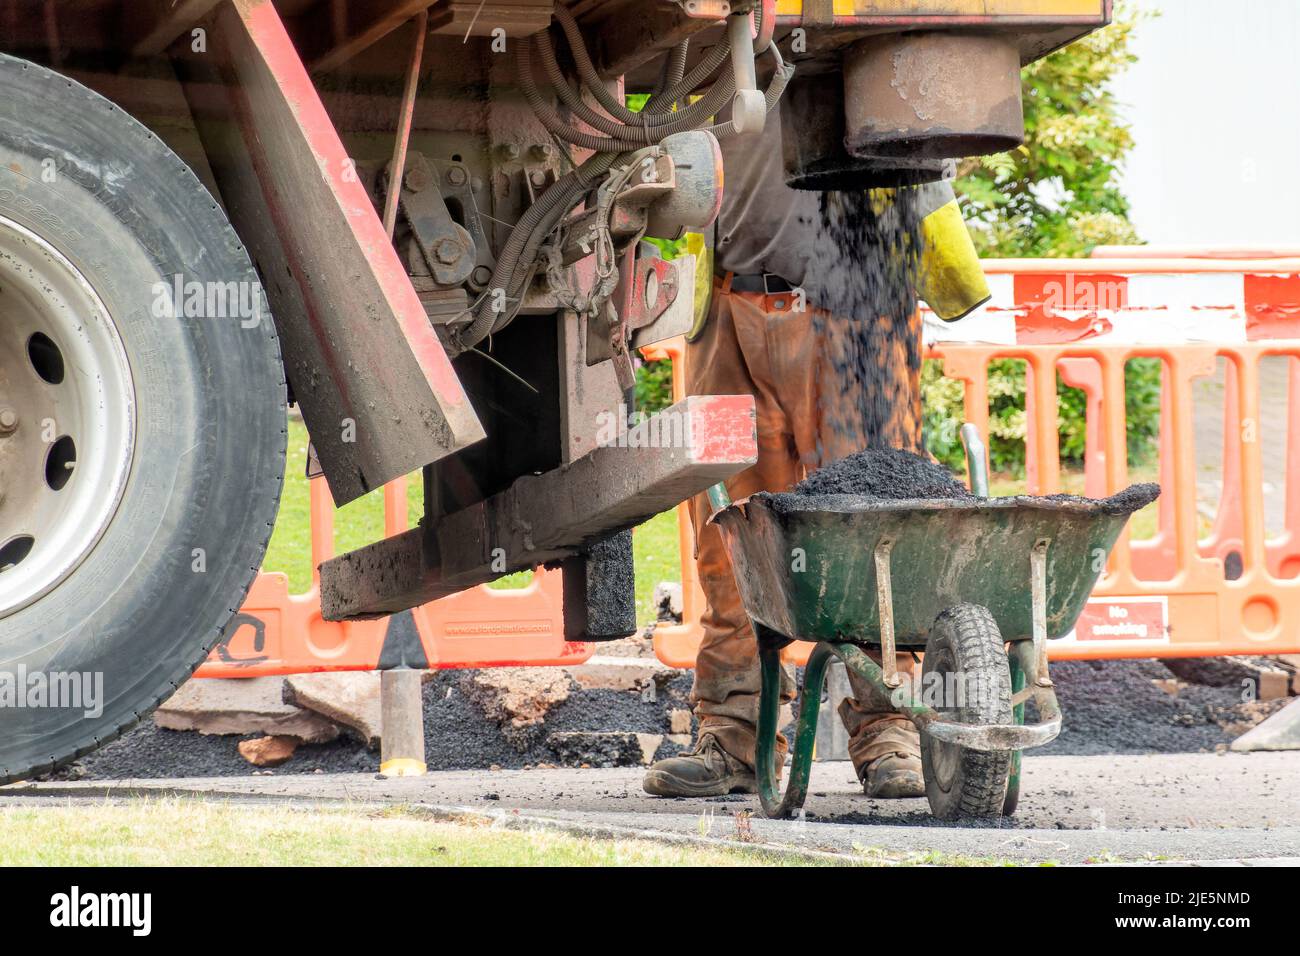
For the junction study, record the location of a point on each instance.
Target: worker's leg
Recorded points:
(730, 358)
(884, 746)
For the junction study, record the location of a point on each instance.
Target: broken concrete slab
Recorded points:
(250, 705)
(1170, 685)
(679, 721)
(1248, 673)
(1273, 683)
(1279, 732)
(518, 698)
(621, 673)
(268, 751)
(640, 644)
(615, 748)
(1291, 663)
(350, 698)
(668, 601)
(649, 746)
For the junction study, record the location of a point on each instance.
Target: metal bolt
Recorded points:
(510, 152)
(543, 151)
(537, 177)
(481, 276)
(448, 251)
(417, 178)
(456, 175)
(8, 420)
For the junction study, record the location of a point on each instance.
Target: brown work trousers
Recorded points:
(759, 345)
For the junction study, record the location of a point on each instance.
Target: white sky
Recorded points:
(1214, 103)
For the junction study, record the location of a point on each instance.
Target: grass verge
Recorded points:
(189, 831)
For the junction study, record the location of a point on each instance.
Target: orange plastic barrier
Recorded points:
(276, 632)
(1177, 594)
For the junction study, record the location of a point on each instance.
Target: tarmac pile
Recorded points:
(893, 474)
(1139, 706)
(465, 727)
(886, 473)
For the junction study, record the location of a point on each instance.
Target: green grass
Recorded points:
(355, 524)
(657, 558)
(190, 831)
(362, 521)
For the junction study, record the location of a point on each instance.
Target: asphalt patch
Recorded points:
(457, 736)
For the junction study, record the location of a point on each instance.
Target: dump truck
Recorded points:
(425, 223)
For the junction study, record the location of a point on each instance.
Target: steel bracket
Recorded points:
(545, 518)
(446, 246)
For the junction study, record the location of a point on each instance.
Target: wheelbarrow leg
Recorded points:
(1013, 776)
(775, 804)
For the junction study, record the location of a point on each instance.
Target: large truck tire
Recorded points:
(142, 437)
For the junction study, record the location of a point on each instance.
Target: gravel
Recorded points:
(1114, 707)
(456, 735)
(1110, 707)
(1131, 499)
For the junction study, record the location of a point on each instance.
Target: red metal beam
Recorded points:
(376, 389)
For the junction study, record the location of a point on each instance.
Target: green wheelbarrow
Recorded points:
(978, 585)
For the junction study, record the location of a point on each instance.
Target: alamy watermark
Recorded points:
(22, 689)
(84, 909)
(180, 298)
(624, 428)
(1085, 295)
(937, 690)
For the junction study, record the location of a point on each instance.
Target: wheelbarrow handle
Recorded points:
(976, 462)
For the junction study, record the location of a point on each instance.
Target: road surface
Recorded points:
(1165, 807)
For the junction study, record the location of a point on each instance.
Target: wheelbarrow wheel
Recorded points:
(967, 653)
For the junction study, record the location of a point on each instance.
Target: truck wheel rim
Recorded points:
(67, 417)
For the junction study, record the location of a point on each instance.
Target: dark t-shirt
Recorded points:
(764, 225)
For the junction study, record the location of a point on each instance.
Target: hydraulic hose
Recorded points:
(555, 202)
(587, 69)
(587, 72)
(709, 64)
(674, 69)
(649, 127)
(626, 131)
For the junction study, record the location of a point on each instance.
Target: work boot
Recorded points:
(893, 776)
(708, 771)
(888, 757)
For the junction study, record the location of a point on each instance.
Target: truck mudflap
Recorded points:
(375, 386)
